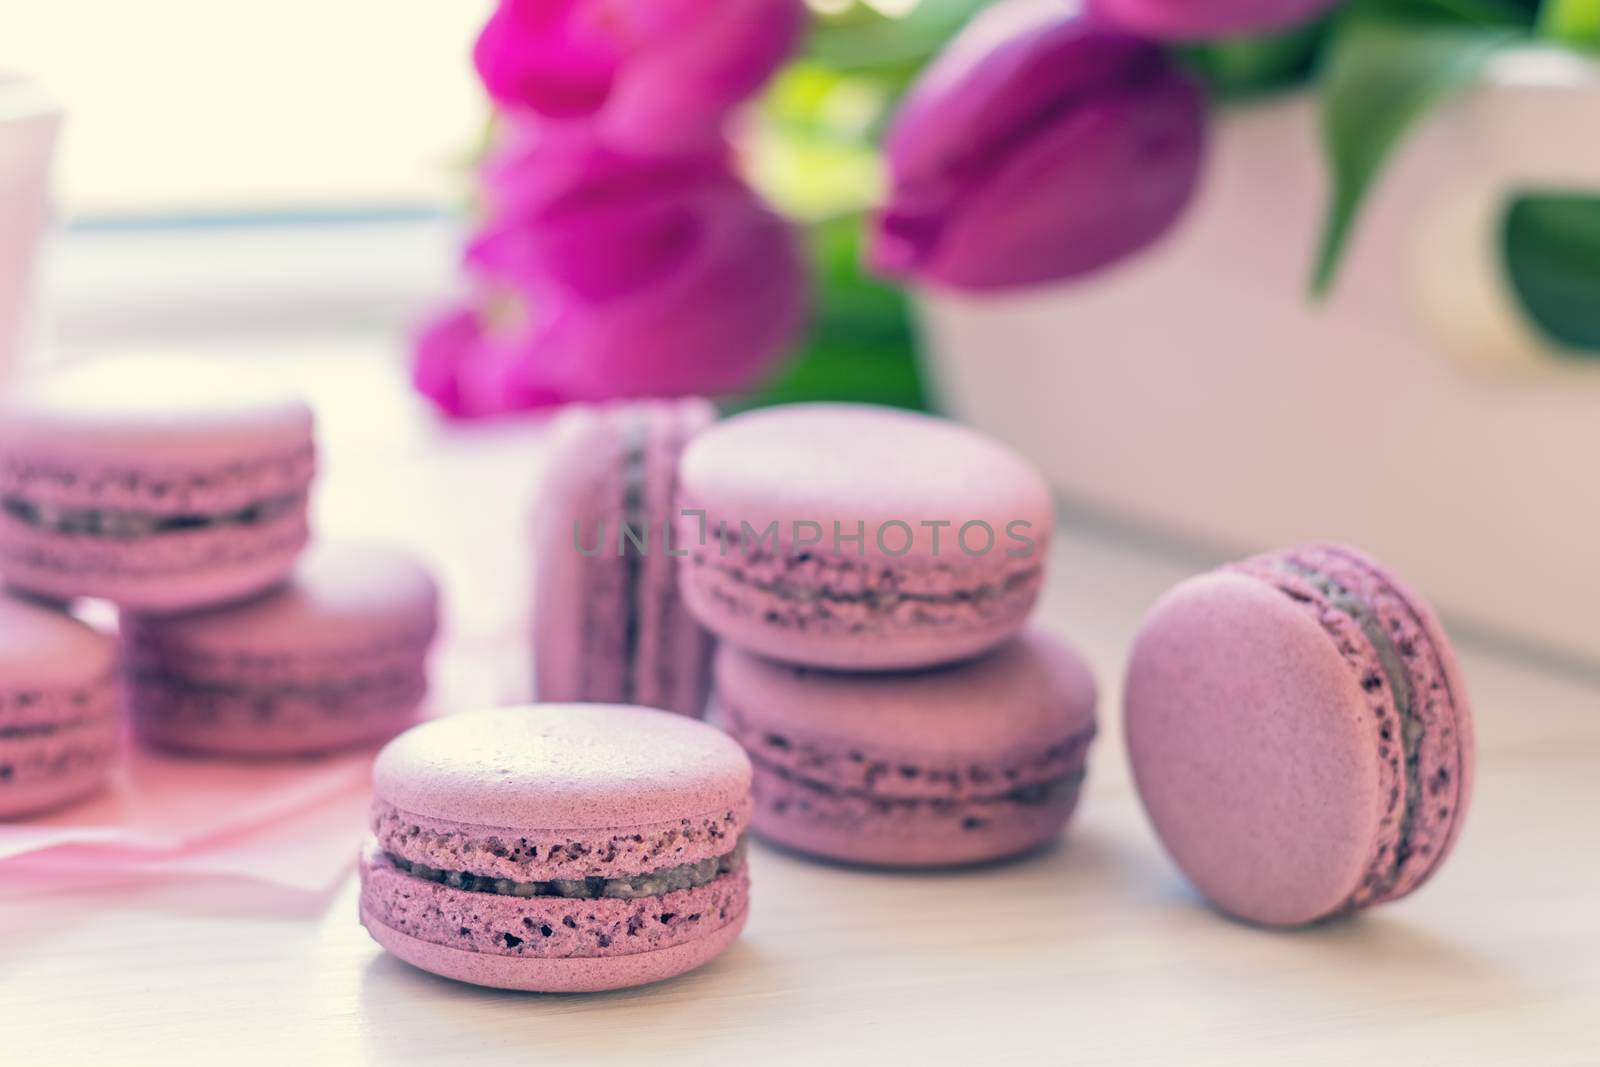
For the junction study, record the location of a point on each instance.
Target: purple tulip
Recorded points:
(1198, 20)
(652, 74)
(605, 275)
(1040, 145)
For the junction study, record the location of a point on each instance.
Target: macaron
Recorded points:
(60, 715)
(960, 764)
(558, 847)
(157, 483)
(609, 625)
(859, 538)
(337, 656)
(1300, 734)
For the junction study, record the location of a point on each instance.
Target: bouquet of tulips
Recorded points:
(708, 196)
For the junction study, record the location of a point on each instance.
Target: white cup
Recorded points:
(29, 122)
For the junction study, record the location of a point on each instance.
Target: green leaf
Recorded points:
(1573, 22)
(1483, 12)
(1382, 74)
(861, 41)
(1240, 68)
(861, 346)
(1551, 244)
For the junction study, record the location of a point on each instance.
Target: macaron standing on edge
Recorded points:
(558, 847)
(1300, 734)
(60, 710)
(961, 764)
(156, 483)
(859, 538)
(335, 657)
(609, 624)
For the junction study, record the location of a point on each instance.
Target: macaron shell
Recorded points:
(60, 708)
(341, 596)
(154, 409)
(335, 658)
(858, 637)
(859, 462)
(47, 771)
(1028, 693)
(173, 438)
(185, 571)
(44, 648)
(958, 765)
(855, 829)
(953, 532)
(575, 975)
(1253, 750)
(563, 766)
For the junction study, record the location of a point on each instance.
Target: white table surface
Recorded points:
(1093, 952)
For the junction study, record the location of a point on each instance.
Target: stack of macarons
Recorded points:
(870, 574)
(177, 489)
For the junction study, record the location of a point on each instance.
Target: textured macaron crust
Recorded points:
(959, 764)
(859, 538)
(337, 656)
(1300, 734)
(558, 847)
(609, 625)
(157, 483)
(59, 709)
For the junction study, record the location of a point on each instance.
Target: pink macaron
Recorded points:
(608, 623)
(336, 656)
(156, 483)
(859, 538)
(1300, 734)
(955, 765)
(60, 713)
(558, 847)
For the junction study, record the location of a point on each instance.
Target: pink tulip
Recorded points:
(616, 276)
(1040, 145)
(651, 74)
(1196, 20)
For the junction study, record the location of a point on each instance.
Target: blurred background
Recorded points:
(1331, 273)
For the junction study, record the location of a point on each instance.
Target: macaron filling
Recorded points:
(972, 808)
(652, 883)
(130, 525)
(635, 517)
(1408, 692)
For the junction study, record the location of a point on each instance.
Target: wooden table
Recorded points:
(1095, 952)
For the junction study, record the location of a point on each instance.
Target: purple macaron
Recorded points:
(954, 765)
(60, 711)
(608, 623)
(335, 657)
(859, 538)
(160, 484)
(558, 847)
(1300, 734)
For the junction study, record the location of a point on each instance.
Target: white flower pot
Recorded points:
(28, 125)
(1414, 413)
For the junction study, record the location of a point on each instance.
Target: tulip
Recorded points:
(651, 74)
(1040, 145)
(614, 275)
(1199, 20)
